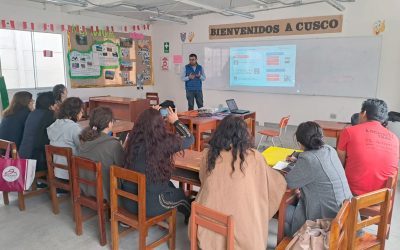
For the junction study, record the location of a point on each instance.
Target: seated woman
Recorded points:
(97, 145)
(235, 180)
(150, 150)
(64, 132)
(35, 131)
(14, 117)
(319, 175)
(60, 93)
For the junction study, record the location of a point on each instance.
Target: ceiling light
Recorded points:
(336, 5)
(200, 5)
(80, 3)
(239, 13)
(166, 19)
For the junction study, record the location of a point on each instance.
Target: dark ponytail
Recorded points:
(310, 135)
(100, 118)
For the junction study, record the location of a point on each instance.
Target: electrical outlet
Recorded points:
(333, 116)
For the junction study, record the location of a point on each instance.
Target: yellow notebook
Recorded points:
(275, 154)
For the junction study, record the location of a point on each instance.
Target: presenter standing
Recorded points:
(193, 75)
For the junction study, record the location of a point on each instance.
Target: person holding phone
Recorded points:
(150, 150)
(193, 75)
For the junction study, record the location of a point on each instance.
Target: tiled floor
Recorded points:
(38, 228)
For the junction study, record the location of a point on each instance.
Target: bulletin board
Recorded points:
(109, 59)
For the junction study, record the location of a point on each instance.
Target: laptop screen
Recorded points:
(231, 104)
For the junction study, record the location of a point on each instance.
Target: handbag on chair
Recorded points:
(17, 175)
(313, 235)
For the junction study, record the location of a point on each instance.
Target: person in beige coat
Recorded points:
(236, 180)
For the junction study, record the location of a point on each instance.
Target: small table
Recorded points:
(119, 126)
(332, 129)
(123, 108)
(187, 167)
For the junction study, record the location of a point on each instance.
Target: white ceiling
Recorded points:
(179, 9)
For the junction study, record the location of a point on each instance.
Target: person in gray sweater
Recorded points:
(97, 145)
(320, 177)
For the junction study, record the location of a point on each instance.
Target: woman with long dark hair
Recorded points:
(319, 175)
(150, 150)
(236, 180)
(64, 132)
(98, 145)
(14, 117)
(35, 131)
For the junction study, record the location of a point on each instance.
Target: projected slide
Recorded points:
(263, 66)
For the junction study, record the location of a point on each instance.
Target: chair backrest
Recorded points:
(338, 238)
(211, 220)
(249, 122)
(52, 151)
(118, 174)
(381, 198)
(153, 96)
(391, 183)
(13, 148)
(79, 163)
(283, 124)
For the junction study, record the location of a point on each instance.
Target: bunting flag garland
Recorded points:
(47, 27)
(8, 24)
(28, 26)
(51, 27)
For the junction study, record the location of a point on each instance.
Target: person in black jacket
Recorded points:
(150, 150)
(35, 132)
(14, 117)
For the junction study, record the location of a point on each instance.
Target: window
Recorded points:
(23, 63)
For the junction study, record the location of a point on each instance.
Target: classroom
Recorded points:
(199, 124)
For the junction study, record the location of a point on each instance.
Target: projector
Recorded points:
(206, 112)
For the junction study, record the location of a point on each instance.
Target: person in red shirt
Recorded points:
(369, 151)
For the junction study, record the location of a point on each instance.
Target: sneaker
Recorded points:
(124, 225)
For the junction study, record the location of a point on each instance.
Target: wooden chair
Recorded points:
(391, 183)
(55, 182)
(380, 197)
(40, 175)
(211, 220)
(97, 203)
(137, 221)
(338, 236)
(275, 133)
(153, 97)
(289, 198)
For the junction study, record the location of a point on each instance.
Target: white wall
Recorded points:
(358, 21)
(35, 12)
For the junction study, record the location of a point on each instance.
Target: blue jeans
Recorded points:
(194, 94)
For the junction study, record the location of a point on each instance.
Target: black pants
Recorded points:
(191, 95)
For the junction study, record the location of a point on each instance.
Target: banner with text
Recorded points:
(282, 27)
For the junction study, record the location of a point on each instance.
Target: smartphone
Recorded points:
(164, 112)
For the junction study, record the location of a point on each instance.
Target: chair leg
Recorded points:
(102, 226)
(142, 238)
(5, 198)
(21, 201)
(280, 141)
(172, 230)
(78, 218)
(259, 143)
(273, 143)
(114, 233)
(54, 200)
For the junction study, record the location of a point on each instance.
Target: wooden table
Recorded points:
(187, 167)
(205, 124)
(127, 109)
(119, 126)
(332, 129)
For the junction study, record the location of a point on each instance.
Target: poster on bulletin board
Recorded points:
(108, 59)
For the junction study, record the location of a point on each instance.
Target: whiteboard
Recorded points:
(345, 66)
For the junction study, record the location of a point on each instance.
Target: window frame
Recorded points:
(35, 70)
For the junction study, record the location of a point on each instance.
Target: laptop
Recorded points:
(233, 108)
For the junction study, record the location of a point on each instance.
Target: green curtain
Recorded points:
(3, 93)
